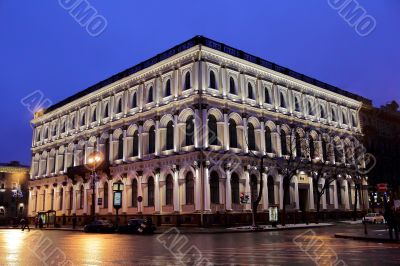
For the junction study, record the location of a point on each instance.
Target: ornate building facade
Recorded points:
(184, 132)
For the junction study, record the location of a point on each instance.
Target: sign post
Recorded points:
(118, 187)
(273, 215)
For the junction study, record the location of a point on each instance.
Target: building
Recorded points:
(180, 130)
(13, 192)
(381, 127)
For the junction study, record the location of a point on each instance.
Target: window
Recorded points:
(94, 115)
(232, 86)
(354, 120)
(189, 131)
(252, 137)
(46, 133)
(271, 190)
(299, 152)
(106, 111)
(135, 143)
(267, 98)
(150, 95)
(134, 192)
(150, 191)
(119, 106)
(120, 155)
(322, 111)
(283, 102)
(134, 100)
(310, 109)
(311, 146)
(61, 202)
(253, 188)
(268, 140)
(250, 93)
(73, 123)
(187, 84)
(81, 198)
(235, 188)
(189, 188)
(167, 88)
(344, 118)
(152, 139)
(214, 188)
(328, 193)
(334, 117)
(296, 104)
(338, 152)
(169, 190)
(233, 143)
(283, 143)
(324, 150)
(213, 83)
(212, 130)
(170, 136)
(105, 192)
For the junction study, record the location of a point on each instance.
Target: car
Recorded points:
(374, 218)
(138, 226)
(99, 226)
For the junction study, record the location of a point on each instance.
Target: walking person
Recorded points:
(40, 223)
(25, 224)
(391, 220)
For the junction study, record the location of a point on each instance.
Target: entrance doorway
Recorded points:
(303, 199)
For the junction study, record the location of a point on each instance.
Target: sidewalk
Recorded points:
(373, 236)
(351, 222)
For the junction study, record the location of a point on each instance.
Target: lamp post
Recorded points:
(118, 187)
(93, 162)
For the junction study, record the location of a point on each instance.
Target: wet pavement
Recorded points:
(292, 247)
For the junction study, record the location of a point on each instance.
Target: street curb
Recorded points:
(365, 238)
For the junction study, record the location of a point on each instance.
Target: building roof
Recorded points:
(13, 167)
(213, 45)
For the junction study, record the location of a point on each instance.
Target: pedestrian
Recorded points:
(391, 220)
(74, 221)
(40, 223)
(25, 224)
(36, 222)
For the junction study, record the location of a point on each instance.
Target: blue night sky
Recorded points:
(44, 48)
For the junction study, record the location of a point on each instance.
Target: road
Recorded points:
(292, 247)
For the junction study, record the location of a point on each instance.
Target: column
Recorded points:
(196, 126)
(228, 190)
(176, 133)
(157, 191)
(311, 196)
(335, 195)
(125, 145)
(280, 192)
(296, 193)
(205, 127)
(226, 131)
(176, 190)
(247, 186)
(262, 138)
(124, 197)
(97, 195)
(265, 190)
(85, 200)
(140, 135)
(346, 196)
(111, 148)
(140, 193)
(74, 195)
(110, 197)
(245, 135)
(197, 185)
(158, 148)
(222, 78)
(206, 178)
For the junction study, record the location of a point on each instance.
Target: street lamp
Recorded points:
(118, 187)
(93, 162)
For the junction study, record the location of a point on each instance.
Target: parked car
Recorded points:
(99, 226)
(138, 226)
(374, 218)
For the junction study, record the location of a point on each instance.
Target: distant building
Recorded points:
(170, 127)
(13, 191)
(381, 127)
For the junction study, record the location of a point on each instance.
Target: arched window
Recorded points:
(338, 152)
(152, 139)
(214, 188)
(189, 131)
(170, 136)
(71, 198)
(268, 140)
(250, 93)
(324, 150)
(235, 188)
(267, 98)
(61, 202)
(283, 101)
(105, 192)
(349, 153)
(271, 190)
(189, 188)
(334, 117)
(299, 152)
(311, 146)
(119, 106)
(310, 109)
(120, 147)
(283, 143)
(106, 111)
(167, 88)
(94, 116)
(135, 144)
(344, 118)
(212, 130)
(81, 198)
(354, 120)
(150, 191)
(134, 192)
(150, 95)
(232, 86)
(62, 127)
(187, 84)
(213, 83)
(83, 120)
(296, 104)
(233, 142)
(322, 111)
(134, 100)
(253, 188)
(169, 190)
(73, 123)
(252, 137)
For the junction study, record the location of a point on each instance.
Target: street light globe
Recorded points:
(95, 159)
